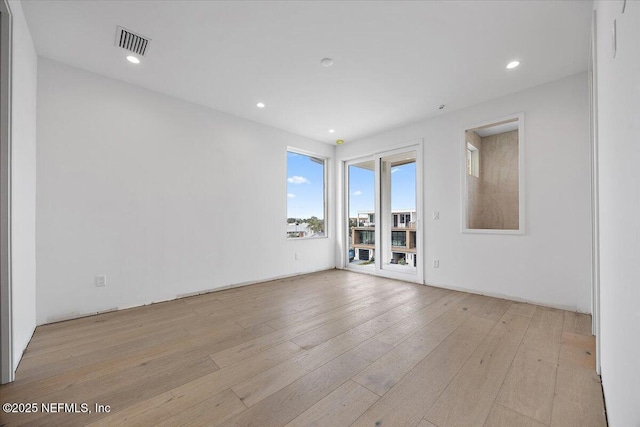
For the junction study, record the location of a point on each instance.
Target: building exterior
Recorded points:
(403, 237)
(299, 229)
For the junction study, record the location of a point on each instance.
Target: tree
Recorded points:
(315, 225)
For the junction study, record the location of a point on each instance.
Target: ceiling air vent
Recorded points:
(131, 41)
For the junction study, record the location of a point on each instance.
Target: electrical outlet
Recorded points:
(101, 281)
(436, 263)
(296, 256)
(436, 215)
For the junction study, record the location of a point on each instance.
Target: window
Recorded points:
(398, 238)
(365, 237)
(306, 195)
(473, 160)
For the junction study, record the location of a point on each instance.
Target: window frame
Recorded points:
(325, 189)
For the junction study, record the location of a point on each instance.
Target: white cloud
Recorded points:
(291, 196)
(394, 170)
(297, 180)
(356, 193)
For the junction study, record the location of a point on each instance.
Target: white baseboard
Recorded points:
(72, 316)
(508, 297)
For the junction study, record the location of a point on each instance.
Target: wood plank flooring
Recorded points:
(333, 349)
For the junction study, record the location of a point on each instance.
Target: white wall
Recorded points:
(619, 184)
(23, 182)
(550, 264)
(164, 197)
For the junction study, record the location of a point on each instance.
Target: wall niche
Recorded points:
(493, 177)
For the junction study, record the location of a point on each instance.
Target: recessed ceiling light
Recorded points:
(331, 130)
(133, 59)
(326, 62)
(513, 64)
(260, 105)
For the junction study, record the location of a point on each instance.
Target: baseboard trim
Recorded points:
(73, 316)
(507, 297)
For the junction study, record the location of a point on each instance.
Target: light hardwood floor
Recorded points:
(327, 349)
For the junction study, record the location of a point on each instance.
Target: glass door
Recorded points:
(398, 213)
(361, 215)
(383, 233)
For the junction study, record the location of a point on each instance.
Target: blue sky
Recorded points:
(305, 187)
(361, 188)
(305, 192)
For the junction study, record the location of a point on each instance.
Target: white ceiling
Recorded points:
(395, 62)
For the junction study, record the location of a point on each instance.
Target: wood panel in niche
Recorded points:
(492, 177)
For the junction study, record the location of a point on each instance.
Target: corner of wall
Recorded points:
(23, 183)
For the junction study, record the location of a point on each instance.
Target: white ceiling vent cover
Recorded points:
(131, 41)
